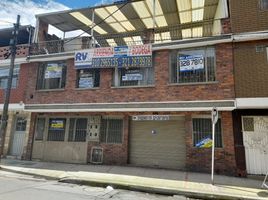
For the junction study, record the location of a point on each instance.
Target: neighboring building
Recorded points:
(153, 112)
(18, 120)
(250, 24)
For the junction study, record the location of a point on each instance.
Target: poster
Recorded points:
(190, 62)
(111, 57)
(86, 82)
(205, 143)
(57, 124)
(53, 71)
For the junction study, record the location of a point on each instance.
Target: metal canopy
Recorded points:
(138, 15)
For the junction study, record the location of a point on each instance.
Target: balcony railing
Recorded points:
(197, 29)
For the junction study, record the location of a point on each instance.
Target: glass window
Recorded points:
(51, 75)
(264, 4)
(21, 124)
(4, 73)
(133, 76)
(193, 65)
(111, 131)
(78, 129)
(56, 129)
(40, 128)
(202, 129)
(88, 78)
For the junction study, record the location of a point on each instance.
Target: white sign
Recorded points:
(132, 77)
(86, 82)
(150, 118)
(191, 62)
(53, 71)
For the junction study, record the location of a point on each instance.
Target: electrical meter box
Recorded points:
(94, 128)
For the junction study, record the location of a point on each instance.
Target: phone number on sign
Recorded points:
(145, 61)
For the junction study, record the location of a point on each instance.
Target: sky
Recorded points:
(27, 9)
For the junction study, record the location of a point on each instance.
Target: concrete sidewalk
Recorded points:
(144, 179)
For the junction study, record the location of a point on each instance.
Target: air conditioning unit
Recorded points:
(96, 155)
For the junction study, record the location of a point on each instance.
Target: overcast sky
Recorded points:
(27, 9)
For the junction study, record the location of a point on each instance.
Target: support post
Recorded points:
(214, 119)
(13, 43)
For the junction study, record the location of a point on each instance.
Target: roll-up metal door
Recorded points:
(158, 143)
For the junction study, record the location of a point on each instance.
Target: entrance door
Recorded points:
(18, 137)
(255, 138)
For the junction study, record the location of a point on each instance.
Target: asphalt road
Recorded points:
(23, 187)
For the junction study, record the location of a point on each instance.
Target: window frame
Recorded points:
(65, 129)
(209, 118)
(173, 68)
(15, 76)
(74, 129)
(96, 80)
(44, 131)
(262, 3)
(41, 81)
(107, 131)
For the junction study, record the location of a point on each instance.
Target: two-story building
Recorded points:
(15, 139)
(249, 22)
(138, 90)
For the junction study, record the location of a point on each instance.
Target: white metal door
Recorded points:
(255, 137)
(18, 137)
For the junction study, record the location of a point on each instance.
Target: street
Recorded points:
(16, 186)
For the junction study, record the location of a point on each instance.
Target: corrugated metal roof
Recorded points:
(137, 16)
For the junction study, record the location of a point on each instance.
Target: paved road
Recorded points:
(23, 187)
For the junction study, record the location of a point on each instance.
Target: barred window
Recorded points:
(202, 129)
(133, 76)
(4, 73)
(111, 130)
(88, 78)
(56, 129)
(51, 75)
(77, 130)
(193, 65)
(40, 128)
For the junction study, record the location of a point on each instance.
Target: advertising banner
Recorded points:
(190, 62)
(53, 71)
(111, 57)
(150, 118)
(205, 143)
(56, 124)
(86, 82)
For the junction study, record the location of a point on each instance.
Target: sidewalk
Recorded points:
(144, 179)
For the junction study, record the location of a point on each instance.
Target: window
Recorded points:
(21, 124)
(111, 130)
(56, 129)
(133, 76)
(264, 4)
(4, 73)
(193, 65)
(40, 128)
(88, 78)
(51, 75)
(202, 129)
(78, 129)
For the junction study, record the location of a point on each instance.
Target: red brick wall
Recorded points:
(22, 51)
(18, 93)
(199, 159)
(162, 91)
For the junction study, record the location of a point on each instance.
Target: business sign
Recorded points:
(132, 75)
(190, 62)
(205, 143)
(57, 124)
(150, 118)
(86, 82)
(111, 57)
(53, 71)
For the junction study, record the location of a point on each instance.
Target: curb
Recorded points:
(133, 187)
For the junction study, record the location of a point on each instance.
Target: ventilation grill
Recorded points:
(96, 155)
(248, 124)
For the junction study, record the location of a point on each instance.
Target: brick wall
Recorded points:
(251, 69)
(246, 16)
(161, 91)
(22, 51)
(18, 93)
(199, 159)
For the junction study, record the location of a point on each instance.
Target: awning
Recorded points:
(132, 17)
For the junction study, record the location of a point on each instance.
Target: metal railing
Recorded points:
(196, 29)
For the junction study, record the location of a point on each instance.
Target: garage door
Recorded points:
(158, 143)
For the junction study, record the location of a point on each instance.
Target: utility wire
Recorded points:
(98, 23)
